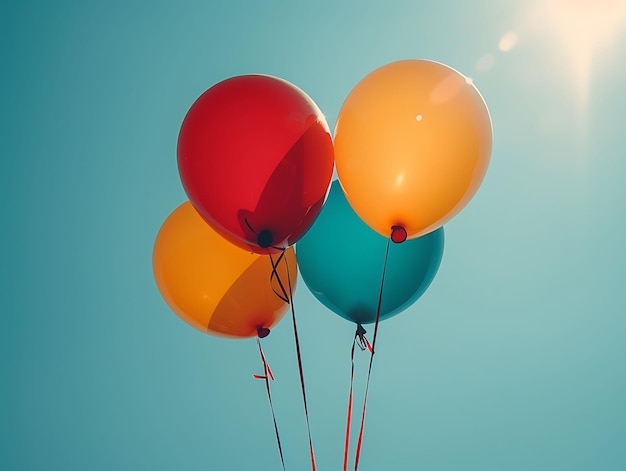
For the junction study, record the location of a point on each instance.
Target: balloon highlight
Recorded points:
(412, 145)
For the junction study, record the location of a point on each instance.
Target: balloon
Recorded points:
(412, 145)
(341, 261)
(213, 285)
(255, 157)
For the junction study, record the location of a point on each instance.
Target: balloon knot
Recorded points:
(361, 340)
(263, 332)
(360, 330)
(264, 239)
(398, 234)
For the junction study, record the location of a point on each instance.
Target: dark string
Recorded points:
(373, 350)
(274, 276)
(298, 354)
(267, 375)
(363, 343)
(249, 226)
(346, 447)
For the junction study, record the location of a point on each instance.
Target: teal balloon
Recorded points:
(341, 261)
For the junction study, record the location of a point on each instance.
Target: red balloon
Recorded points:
(255, 157)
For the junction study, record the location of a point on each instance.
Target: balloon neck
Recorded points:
(264, 239)
(360, 330)
(262, 332)
(398, 234)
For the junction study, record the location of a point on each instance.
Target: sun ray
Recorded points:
(582, 29)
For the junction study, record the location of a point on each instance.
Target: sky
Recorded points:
(513, 359)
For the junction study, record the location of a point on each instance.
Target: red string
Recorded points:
(372, 349)
(288, 297)
(349, 420)
(300, 369)
(267, 375)
(266, 365)
(364, 344)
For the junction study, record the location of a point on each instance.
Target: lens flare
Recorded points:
(582, 28)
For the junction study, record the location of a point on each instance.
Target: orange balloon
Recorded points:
(412, 145)
(213, 285)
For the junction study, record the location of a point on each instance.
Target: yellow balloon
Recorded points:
(213, 285)
(412, 145)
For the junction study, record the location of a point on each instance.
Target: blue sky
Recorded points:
(514, 358)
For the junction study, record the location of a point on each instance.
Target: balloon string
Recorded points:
(349, 419)
(364, 344)
(267, 376)
(300, 369)
(359, 338)
(372, 350)
(249, 226)
(274, 276)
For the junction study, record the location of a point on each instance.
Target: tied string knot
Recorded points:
(361, 340)
(267, 371)
(267, 376)
(264, 237)
(363, 343)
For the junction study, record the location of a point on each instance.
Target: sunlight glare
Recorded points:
(508, 41)
(485, 62)
(583, 28)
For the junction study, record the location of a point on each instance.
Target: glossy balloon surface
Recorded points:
(255, 157)
(341, 261)
(213, 285)
(412, 145)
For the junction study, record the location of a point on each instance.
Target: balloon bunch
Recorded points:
(255, 155)
(412, 145)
